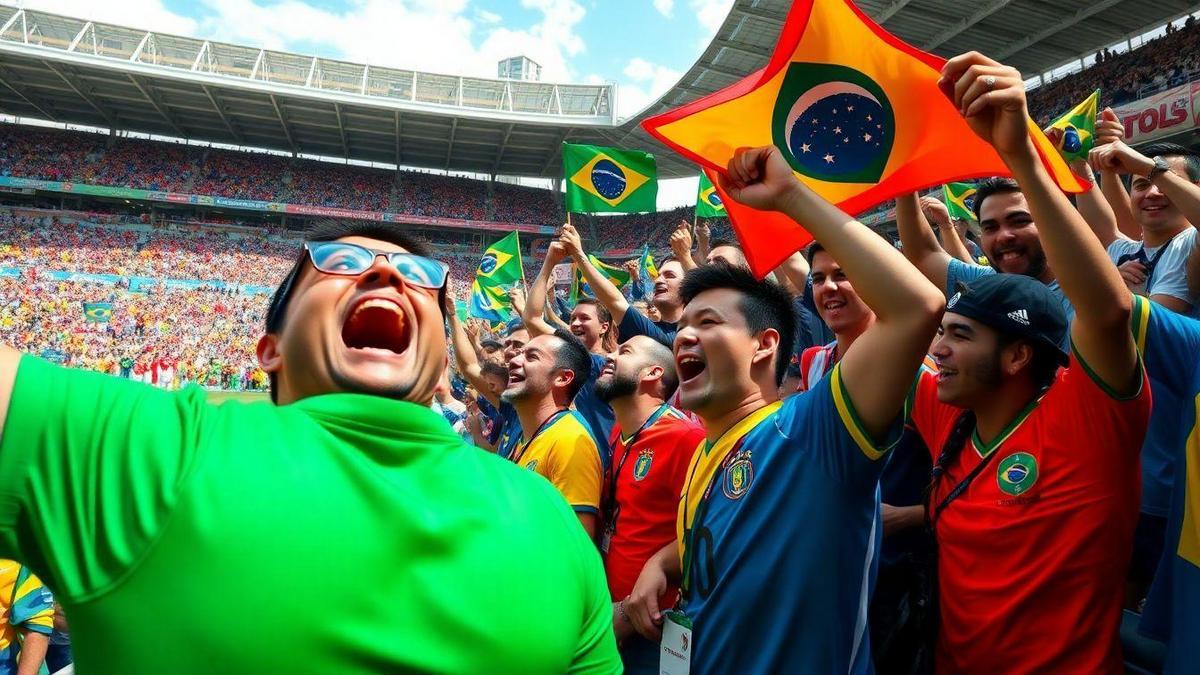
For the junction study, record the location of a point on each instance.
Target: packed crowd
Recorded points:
(1123, 77)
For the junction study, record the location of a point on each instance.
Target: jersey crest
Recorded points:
(642, 466)
(739, 476)
(1017, 473)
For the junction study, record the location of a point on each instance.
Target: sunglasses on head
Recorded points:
(344, 258)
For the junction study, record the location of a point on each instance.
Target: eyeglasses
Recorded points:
(346, 259)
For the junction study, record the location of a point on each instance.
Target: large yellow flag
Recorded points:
(857, 113)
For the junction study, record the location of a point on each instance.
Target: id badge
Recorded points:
(675, 651)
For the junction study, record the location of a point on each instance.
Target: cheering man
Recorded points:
(777, 521)
(543, 379)
(350, 495)
(1035, 480)
(651, 446)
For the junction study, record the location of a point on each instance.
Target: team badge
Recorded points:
(532, 465)
(739, 476)
(642, 466)
(834, 123)
(1017, 473)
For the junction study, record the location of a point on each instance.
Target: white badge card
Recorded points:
(675, 652)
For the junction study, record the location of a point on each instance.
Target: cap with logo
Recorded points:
(1014, 304)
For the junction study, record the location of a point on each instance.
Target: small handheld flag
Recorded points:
(1078, 129)
(960, 200)
(97, 312)
(580, 288)
(708, 202)
(647, 271)
(498, 272)
(857, 113)
(608, 180)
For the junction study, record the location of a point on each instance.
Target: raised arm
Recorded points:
(606, 293)
(993, 98)
(535, 305)
(920, 245)
(936, 212)
(703, 237)
(878, 369)
(796, 269)
(681, 246)
(465, 357)
(1108, 129)
(1095, 209)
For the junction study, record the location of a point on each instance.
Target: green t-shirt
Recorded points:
(341, 534)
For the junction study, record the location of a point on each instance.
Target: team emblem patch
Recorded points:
(642, 466)
(739, 476)
(532, 465)
(1017, 473)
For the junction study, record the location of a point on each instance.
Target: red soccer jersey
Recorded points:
(640, 513)
(1032, 556)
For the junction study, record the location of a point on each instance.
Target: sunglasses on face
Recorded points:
(346, 259)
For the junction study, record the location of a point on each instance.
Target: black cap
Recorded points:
(1014, 304)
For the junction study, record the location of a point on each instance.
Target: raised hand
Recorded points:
(681, 240)
(1117, 157)
(760, 178)
(991, 97)
(556, 253)
(1109, 128)
(570, 239)
(935, 211)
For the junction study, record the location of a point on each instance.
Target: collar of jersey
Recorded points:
(375, 416)
(985, 449)
(743, 426)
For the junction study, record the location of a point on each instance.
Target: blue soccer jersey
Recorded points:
(510, 430)
(778, 534)
(1170, 343)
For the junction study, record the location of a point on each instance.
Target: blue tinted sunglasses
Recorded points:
(339, 257)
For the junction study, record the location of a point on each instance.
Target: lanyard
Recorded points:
(549, 420)
(610, 496)
(689, 553)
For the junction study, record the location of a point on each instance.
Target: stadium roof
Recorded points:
(75, 71)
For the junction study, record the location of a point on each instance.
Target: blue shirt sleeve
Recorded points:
(822, 420)
(957, 270)
(1169, 343)
(634, 323)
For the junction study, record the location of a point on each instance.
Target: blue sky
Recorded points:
(642, 45)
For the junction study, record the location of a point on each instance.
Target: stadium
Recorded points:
(155, 192)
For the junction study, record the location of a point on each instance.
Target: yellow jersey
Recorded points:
(563, 452)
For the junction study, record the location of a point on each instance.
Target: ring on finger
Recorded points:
(990, 81)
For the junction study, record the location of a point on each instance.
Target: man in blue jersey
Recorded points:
(777, 525)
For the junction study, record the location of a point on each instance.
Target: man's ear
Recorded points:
(269, 356)
(768, 345)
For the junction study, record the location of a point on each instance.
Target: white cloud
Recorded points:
(711, 13)
(144, 14)
(485, 16)
(646, 82)
(664, 7)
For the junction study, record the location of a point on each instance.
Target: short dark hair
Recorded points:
(812, 251)
(1191, 158)
(331, 230)
(997, 185)
(764, 304)
(572, 356)
(724, 242)
(602, 312)
(492, 368)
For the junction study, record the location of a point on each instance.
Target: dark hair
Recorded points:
(812, 251)
(492, 368)
(602, 312)
(724, 242)
(1191, 159)
(764, 304)
(331, 230)
(572, 356)
(1044, 365)
(987, 187)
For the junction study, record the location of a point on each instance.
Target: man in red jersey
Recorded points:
(1036, 469)
(651, 444)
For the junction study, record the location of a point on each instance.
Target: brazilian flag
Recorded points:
(708, 202)
(580, 288)
(1078, 129)
(647, 272)
(97, 312)
(499, 271)
(960, 200)
(608, 180)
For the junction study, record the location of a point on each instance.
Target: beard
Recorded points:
(616, 386)
(1037, 265)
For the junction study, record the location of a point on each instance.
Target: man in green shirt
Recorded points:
(343, 528)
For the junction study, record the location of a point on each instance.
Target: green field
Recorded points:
(248, 396)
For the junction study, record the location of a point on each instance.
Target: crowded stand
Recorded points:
(934, 453)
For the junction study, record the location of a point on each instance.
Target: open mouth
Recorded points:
(660, 288)
(689, 367)
(609, 368)
(1154, 208)
(577, 331)
(378, 325)
(945, 374)
(515, 377)
(834, 304)
(1009, 255)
